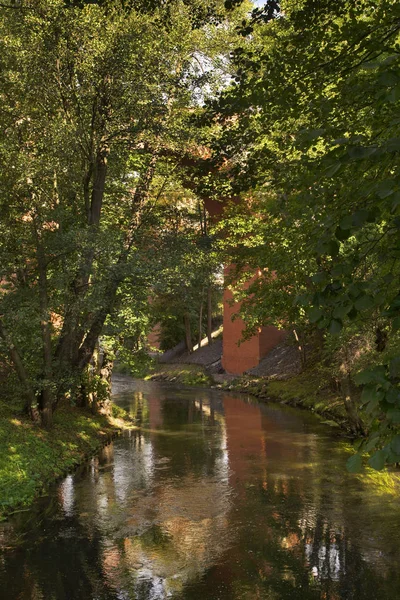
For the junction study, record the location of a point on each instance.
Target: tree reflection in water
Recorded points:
(214, 496)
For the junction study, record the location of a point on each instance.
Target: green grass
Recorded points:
(183, 374)
(306, 390)
(32, 458)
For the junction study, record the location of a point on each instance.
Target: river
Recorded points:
(214, 497)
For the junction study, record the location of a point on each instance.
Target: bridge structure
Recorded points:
(239, 356)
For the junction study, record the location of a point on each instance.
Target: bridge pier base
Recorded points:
(237, 356)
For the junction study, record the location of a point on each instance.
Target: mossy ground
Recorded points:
(32, 458)
(306, 390)
(182, 374)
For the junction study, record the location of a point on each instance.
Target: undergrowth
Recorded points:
(183, 374)
(306, 390)
(33, 457)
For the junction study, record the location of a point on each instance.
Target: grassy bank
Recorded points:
(181, 374)
(306, 390)
(33, 458)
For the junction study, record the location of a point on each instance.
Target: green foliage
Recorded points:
(182, 374)
(136, 363)
(33, 458)
(96, 99)
(119, 413)
(189, 266)
(311, 127)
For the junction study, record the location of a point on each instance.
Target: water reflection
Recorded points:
(213, 497)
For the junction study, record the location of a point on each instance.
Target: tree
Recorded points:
(187, 286)
(312, 124)
(96, 99)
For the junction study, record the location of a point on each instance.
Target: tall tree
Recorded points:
(312, 124)
(95, 104)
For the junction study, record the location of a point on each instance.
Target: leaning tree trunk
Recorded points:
(80, 351)
(72, 334)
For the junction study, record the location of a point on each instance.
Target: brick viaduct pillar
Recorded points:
(238, 358)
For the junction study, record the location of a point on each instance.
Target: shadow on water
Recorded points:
(214, 496)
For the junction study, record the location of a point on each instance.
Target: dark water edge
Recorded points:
(214, 497)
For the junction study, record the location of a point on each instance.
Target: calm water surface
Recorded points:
(214, 497)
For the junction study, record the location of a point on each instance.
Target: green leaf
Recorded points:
(388, 78)
(302, 300)
(372, 442)
(395, 200)
(375, 375)
(314, 314)
(358, 444)
(394, 94)
(396, 324)
(364, 302)
(393, 415)
(354, 464)
(335, 327)
(342, 235)
(385, 188)
(341, 141)
(333, 169)
(377, 460)
(319, 277)
(313, 134)
(354, 290)
(395, 444)
(346, 222)
(388, 278)
(360, 217)
(393, 395)
(394, 367)
(373, 215)
(341, 312)
(352, 314)
(393, 145)
(373, 404)
(360, 152)
(333, 248)
(371, 394)
(323, 323)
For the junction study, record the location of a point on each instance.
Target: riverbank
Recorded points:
(306, 390)
(183, 374)
(33, 458)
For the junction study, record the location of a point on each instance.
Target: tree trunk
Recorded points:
(31, 400)
(301, 346)
(46, 408)
(47, 400)
(356, 424)
(209, 314)
(98, 185)
(87, 346)
(106, 373)
(76, 345)
(71, 334)
(188, 333)
(96, 371)
(200, 323)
